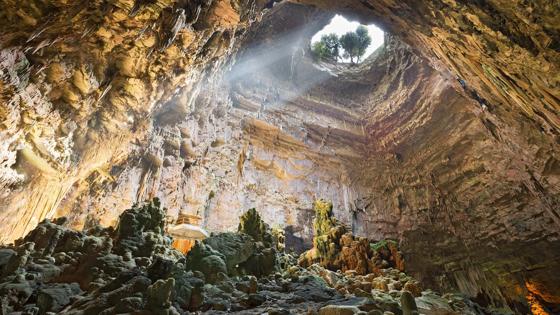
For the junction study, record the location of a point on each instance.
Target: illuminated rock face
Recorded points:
(79, 85)
(426, 164)
(447, 139)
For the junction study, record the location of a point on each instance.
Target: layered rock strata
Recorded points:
(80, 83)
(446, 139)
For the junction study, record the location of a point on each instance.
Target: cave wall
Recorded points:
(80, 82)
(467, 191)
(447, 140)
(222, 155)
(504, 51)
(483, 206)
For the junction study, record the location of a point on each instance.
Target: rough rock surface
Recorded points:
(40, 278)
(446, 139)
(250, 251)
(476, 203)
(79, 85)
(335, 248)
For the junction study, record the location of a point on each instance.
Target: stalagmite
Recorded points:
(316, 177)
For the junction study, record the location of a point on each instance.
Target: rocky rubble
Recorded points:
(336, 248)
(133, 269)
(448, 141)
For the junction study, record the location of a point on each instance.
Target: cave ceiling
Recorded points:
(446, 138)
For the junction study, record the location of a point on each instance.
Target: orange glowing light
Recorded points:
(532, 298)
(184, 246)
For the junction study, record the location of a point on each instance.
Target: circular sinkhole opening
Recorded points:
(345, 41)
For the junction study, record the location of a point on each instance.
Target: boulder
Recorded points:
(54, 297)
(249, 251)
(5, 255)
(140, 231)
(413, 287)
(339, 310)
(236, 248)
(209, 262)
(335, 248)
(160, 293)
(408, 304)
(251, 224)
(19, 259)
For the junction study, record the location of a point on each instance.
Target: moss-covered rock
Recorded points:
(82, 273)
(327, 233)
(251, 224)
(408, 304)
(141, 232)
(386, 253)
(54, 297)
(160, 294)
(261, 263)
(335, 248)
(235, 247)
(250, 251)
(204, 258)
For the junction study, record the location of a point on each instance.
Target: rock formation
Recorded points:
(55, 269)
(445, 140)
(335, 248)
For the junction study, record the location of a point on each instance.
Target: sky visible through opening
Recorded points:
(340, 26)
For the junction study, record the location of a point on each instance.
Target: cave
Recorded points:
(175, 156)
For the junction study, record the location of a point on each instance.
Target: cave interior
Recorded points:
(173, 156)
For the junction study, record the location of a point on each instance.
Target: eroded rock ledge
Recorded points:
(446, 140)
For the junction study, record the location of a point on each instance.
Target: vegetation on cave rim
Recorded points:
(351, 45)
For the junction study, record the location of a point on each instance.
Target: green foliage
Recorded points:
(355, 43)
(364, 40)
(328, 48)
(319, 50)
(332, 43)
(383, 243)
(349, 42)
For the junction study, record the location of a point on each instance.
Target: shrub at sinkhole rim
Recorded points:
(354, 45)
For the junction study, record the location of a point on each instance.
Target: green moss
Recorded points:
(251, 224)
(235, 247)
(324, 220)
(327, 231)
(149, 216)
(383, 243)
(204, 258)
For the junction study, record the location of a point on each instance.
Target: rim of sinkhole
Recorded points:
(339, 26)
